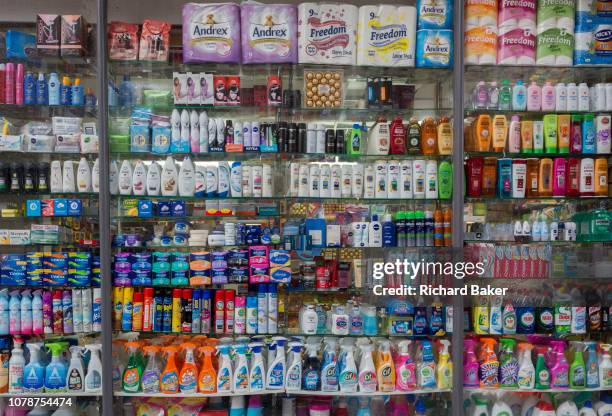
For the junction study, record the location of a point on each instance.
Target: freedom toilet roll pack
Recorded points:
(386, 35)
(480, 35)
(269, 33)
(555, 32)
(593, 33)
(516, 27)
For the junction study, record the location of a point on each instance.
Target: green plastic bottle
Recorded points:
(542, 373)
(445, 180)
(508, 364)
(577, 370)
(132, 374)
(355, 140)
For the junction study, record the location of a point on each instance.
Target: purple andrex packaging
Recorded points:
(211, 32)
(268, 33)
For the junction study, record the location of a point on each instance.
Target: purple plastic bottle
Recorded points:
(470, 366)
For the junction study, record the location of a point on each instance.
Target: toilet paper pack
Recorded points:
(594, 8)
(269, 33)
(434, 48)
(555, 47)
(386, 35)
(480, 45)
(480, 13)
(434, 14)
(515, 14)
(211, 32)
(516, 46)
(556, 14)
(593, 34)
(327, 33)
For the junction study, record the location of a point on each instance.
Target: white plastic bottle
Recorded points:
(186, 178)
(56, 185)
(175, 127)
(153, 179)
(405, 179)
(294, 368)
(587, 409)
(236, 179)
(379, 139)
(336, 180)
(68, 184)
(267, 188)
(113, 178)
(185, 130)
(514, 135)
(567, 408)
(393, 179)
(15, 368)
(223, 188)
(357, 181)
(583, 97)
(572, 97)
(95, 176)
(560, 97)
(325, 180)
(75, 377)
(139, 179)
(418, 179)
(194, 131)
(93, 379)
(256, 181)
(500, 408)
(314, 176)
(125, 178)
(369, 181)
(431, 175)
(548, 97)
(203, 122)
(83, 176)
(247, 180)
(169, 178)
(303, 189)
(381, 179)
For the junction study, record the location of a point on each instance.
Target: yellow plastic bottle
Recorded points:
(545, 178)
(527, 136)
(429, 136)
(481, 316)
(483, 132)
(188, 377)
(445, 137)
(207, 379)
(500, 132)
(169, 383)
(601, 176)
(385, 368)
(444, 371)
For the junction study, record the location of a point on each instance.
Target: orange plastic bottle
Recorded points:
(429, 136)
(489, 365)
(188, 377)
(438, 227)
(445, 137)
(447, 225)
(207, 379)
(169, 383)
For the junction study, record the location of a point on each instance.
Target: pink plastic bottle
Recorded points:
(548, 97)
(19, 85)
(405, 368)
(534, 97)
(9, 83)
(559, 369)
(560, 176)
(470, 363)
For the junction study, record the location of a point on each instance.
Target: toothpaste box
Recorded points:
(19, 237)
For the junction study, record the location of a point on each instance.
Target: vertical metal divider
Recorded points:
(104, 211)
(457, 207)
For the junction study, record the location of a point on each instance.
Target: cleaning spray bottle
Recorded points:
(16, 366)
(559, 370)
(311, 374)
(405, 367)
(542, 374)
(470, 366)
(93, 377)
(225, 372)
(605, 367)
(329, 365)
(367, 372)
(426, 366)
(276, 370)
(34, 372)
(577, 370)
(169, 383)
(57, 370)
(132, 373)
(592, 365)
(240, 380)
(526, 371)
(75, 380)
(348, 379)
(188, 376)
(257, 371)
(489, 365)
(151, 374)
(207, 379)
(385, 368)
(294, 368)
(508, 364)
(444, 371)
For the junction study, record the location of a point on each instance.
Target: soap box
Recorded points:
(74, 35)
(48, 33)
(434, 48)
(211, 32)
(268, 33)
(19, 237)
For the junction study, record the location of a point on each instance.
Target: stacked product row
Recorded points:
(540, 405)
(79, 269)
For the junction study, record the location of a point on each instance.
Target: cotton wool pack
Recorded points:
(516, 25)
(480, 35)
(555, 32)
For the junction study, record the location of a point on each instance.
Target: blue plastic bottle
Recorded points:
(592, 365)
(388, 232)
(588, 134)
(519, 96)
(126, 92)
(41, 90)
(78, 97)
(4, 312)
(53, 89)
(29, 89)
(57, 369)
(34, 371)
(65, 92)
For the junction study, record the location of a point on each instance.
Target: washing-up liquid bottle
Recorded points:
(188, 376)
(489, 364)
(587, 409)
(57, 370)
(169, 383)
(470, 363)
(16, 365)
(605, 367)
(501, 408)
(311, 373)
(368, 381)
(481, 407)
(559, 370)
(132, 374)
(592, 365)
(151, 374)
(385, 367)
(207, 378)
(508, 364)
(347, 368)
(542, 374)
(329, 365)
(225, 372)
(241, 369)
(526, 371)
(293, 380)
(34, 371)
(567, 408)
(426, 366)
(577, 370)
(405, 367)
(75, 379)
(275, 377)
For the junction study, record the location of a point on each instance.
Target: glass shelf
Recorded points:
(559, 199)
(28, 112)
(540, 74)
(194, 218)
(54, 155)
(245, 156)
(272, 247)
(554, 243)
(281, 198)
(534, 155)
(50, 195)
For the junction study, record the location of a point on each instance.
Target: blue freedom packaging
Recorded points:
(75, 207)
(13, 269)
(55, 266)
(219, 267)
(60, 207)
(35, 271)
(79, 269)
(33, 208)
(434, 48)
(238, 274)
(20, 45)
